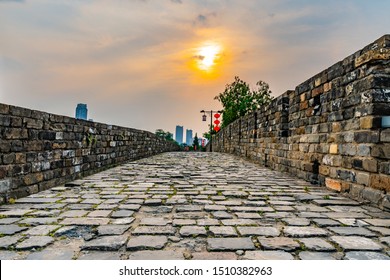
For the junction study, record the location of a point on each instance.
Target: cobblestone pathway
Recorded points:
(191, 206)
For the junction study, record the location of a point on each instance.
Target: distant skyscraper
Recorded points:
(189, 138)
(179, 134)
(81, 111)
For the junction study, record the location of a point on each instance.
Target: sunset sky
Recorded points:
(156, 63)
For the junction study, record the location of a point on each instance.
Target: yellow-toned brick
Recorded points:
(336, 127)
(327, 87)
(333, 184)
(333, 149)
(380, 182)
(366, 122)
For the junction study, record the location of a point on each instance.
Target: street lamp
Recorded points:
(204, 117)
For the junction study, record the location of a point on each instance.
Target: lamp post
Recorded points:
(204, 118)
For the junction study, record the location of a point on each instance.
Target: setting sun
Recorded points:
(207, 55)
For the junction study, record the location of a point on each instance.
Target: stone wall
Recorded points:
(329, 130)
(39, 150)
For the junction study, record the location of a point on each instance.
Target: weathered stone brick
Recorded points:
(327, 87)
(363, 178)
(336, 127)
(333, 149)
(380, 182)
(3, 171)
(381, 109)
(372, 195)
(32, 178)
(15, 133)
(333, 184)
(370, 165)
(346, 175)
(384, 167)
(363, 150)
(369, 122)
(372, 55)
(20, 158)
(324, 170)
(4, 109)
(348, 137)
(47, 135)
(385, 135)
(16, 121)
(348, 149)
(33, 123)
(9, 158)
(357, 164)
(381, 151)
(367, 137)
(5, 185)
(33, 146)
(332, 160)
(5, 120)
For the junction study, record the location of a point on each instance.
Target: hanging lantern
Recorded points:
(217, 128)
(217, 115)
(204, 117)
(217, 122)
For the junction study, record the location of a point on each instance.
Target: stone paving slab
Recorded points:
(85, 221)
(223, 231)
(356, 243)
(154, 230)
(156, 255)
(279, 243)
(11, 229)
(41, 230)
(365, 255)
(105, 243)
(294, 231)
(214, 256)
(112, 229)
(230, 244)
(258, 231)
(147, 242)
(193, 231)
(34, 242)
(97, 255)
(52, 254)
(267, 255)
(191, 206)
(8, 241)
(316, 244)
(316, 256)
(352, 231)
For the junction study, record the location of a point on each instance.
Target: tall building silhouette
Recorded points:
(81, 111)
(179, 134)
(189, 138)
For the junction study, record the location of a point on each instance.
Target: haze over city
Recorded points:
(156, 64)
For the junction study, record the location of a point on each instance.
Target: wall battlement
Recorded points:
(328, 130)
(39, 150)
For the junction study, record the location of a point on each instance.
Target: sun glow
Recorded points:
(207, 56)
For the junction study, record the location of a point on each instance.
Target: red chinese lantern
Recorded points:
(217, 122)
(217, 115)
(217, 128)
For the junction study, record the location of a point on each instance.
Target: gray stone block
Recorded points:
(5, 185)
(229, 244)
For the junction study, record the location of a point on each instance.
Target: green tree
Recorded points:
(164, 134)
(195, 144)
(238, 99)
(207, 134)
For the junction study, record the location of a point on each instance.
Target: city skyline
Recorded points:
(189, 137)
(149, 64)
(81, 111)
(179, 134)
